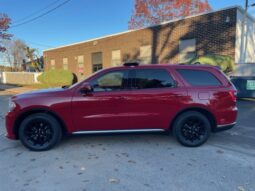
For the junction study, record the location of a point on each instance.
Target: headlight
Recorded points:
(12, 105)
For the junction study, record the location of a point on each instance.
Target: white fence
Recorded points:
(19, 77)
(244, 70)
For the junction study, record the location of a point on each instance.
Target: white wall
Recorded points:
(19, 77)
(245, 53)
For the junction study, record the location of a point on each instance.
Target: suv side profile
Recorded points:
(189, 100)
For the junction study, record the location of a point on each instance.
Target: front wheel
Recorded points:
(192, 129)
(40, 132)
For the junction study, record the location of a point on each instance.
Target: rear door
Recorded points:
(153, 99)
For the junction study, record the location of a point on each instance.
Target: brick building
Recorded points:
(216, 32)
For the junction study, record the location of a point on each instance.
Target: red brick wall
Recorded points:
(212, 33)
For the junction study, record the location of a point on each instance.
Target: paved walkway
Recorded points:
(12, 89)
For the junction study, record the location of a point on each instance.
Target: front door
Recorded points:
(100, 110)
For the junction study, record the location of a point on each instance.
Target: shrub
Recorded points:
(54, 78)
(226, 63)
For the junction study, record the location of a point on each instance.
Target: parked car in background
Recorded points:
(245, 86)
(189, 100)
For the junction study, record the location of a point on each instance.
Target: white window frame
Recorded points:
(65, 63)
(80, 63)
(187, 49)
(116, 57)
(145, 54)
(52, 64)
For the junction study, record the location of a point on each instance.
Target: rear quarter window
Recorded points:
(199, 77)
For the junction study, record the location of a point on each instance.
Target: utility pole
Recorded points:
(244, 32)
(246, 5)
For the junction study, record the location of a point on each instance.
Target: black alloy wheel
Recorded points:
(192, 129)
(40, 132)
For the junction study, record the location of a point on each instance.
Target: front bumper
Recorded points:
(224, 127)
(9, 124)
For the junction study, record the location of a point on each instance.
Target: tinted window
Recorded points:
(151, 78)
(199, 77)
(110, 82)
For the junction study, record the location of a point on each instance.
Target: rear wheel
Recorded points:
(40, 132)
(192, 129)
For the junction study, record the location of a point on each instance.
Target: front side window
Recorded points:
(151, 78)
(110, 82)
(199, 77)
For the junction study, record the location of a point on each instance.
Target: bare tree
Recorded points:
(15, 53)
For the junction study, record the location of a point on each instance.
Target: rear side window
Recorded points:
(199, 77)
(151, 78)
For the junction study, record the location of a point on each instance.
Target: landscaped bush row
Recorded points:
(226, 63)
(54, 78)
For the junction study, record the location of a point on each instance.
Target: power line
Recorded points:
(41, 15)
(39, 44)
(35, 13)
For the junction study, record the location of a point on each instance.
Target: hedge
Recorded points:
(54, 78)
(226, 63)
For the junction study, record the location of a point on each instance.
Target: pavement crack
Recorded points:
(233, 149)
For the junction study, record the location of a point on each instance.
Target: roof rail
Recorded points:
(131, 64)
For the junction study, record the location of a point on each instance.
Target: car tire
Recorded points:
(40, 132)
(192, 129)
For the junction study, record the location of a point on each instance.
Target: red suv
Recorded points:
(190, 100)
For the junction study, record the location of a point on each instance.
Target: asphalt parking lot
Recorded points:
(133, 161)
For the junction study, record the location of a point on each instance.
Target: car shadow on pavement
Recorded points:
(118, 138)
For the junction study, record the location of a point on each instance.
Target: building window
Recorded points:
(145, 54)
(65, 63)
(187, 49)
(97, 61)
(52, 64)
(80, 62)
(116, 58)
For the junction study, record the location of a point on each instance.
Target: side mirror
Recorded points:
(86, 89)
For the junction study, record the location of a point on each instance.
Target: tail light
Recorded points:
(233, 94)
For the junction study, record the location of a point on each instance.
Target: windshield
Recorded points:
(78, 83)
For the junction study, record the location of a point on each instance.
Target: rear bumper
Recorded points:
(224, 127)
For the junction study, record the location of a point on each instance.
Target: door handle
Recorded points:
(118, 98)
(123, 98)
